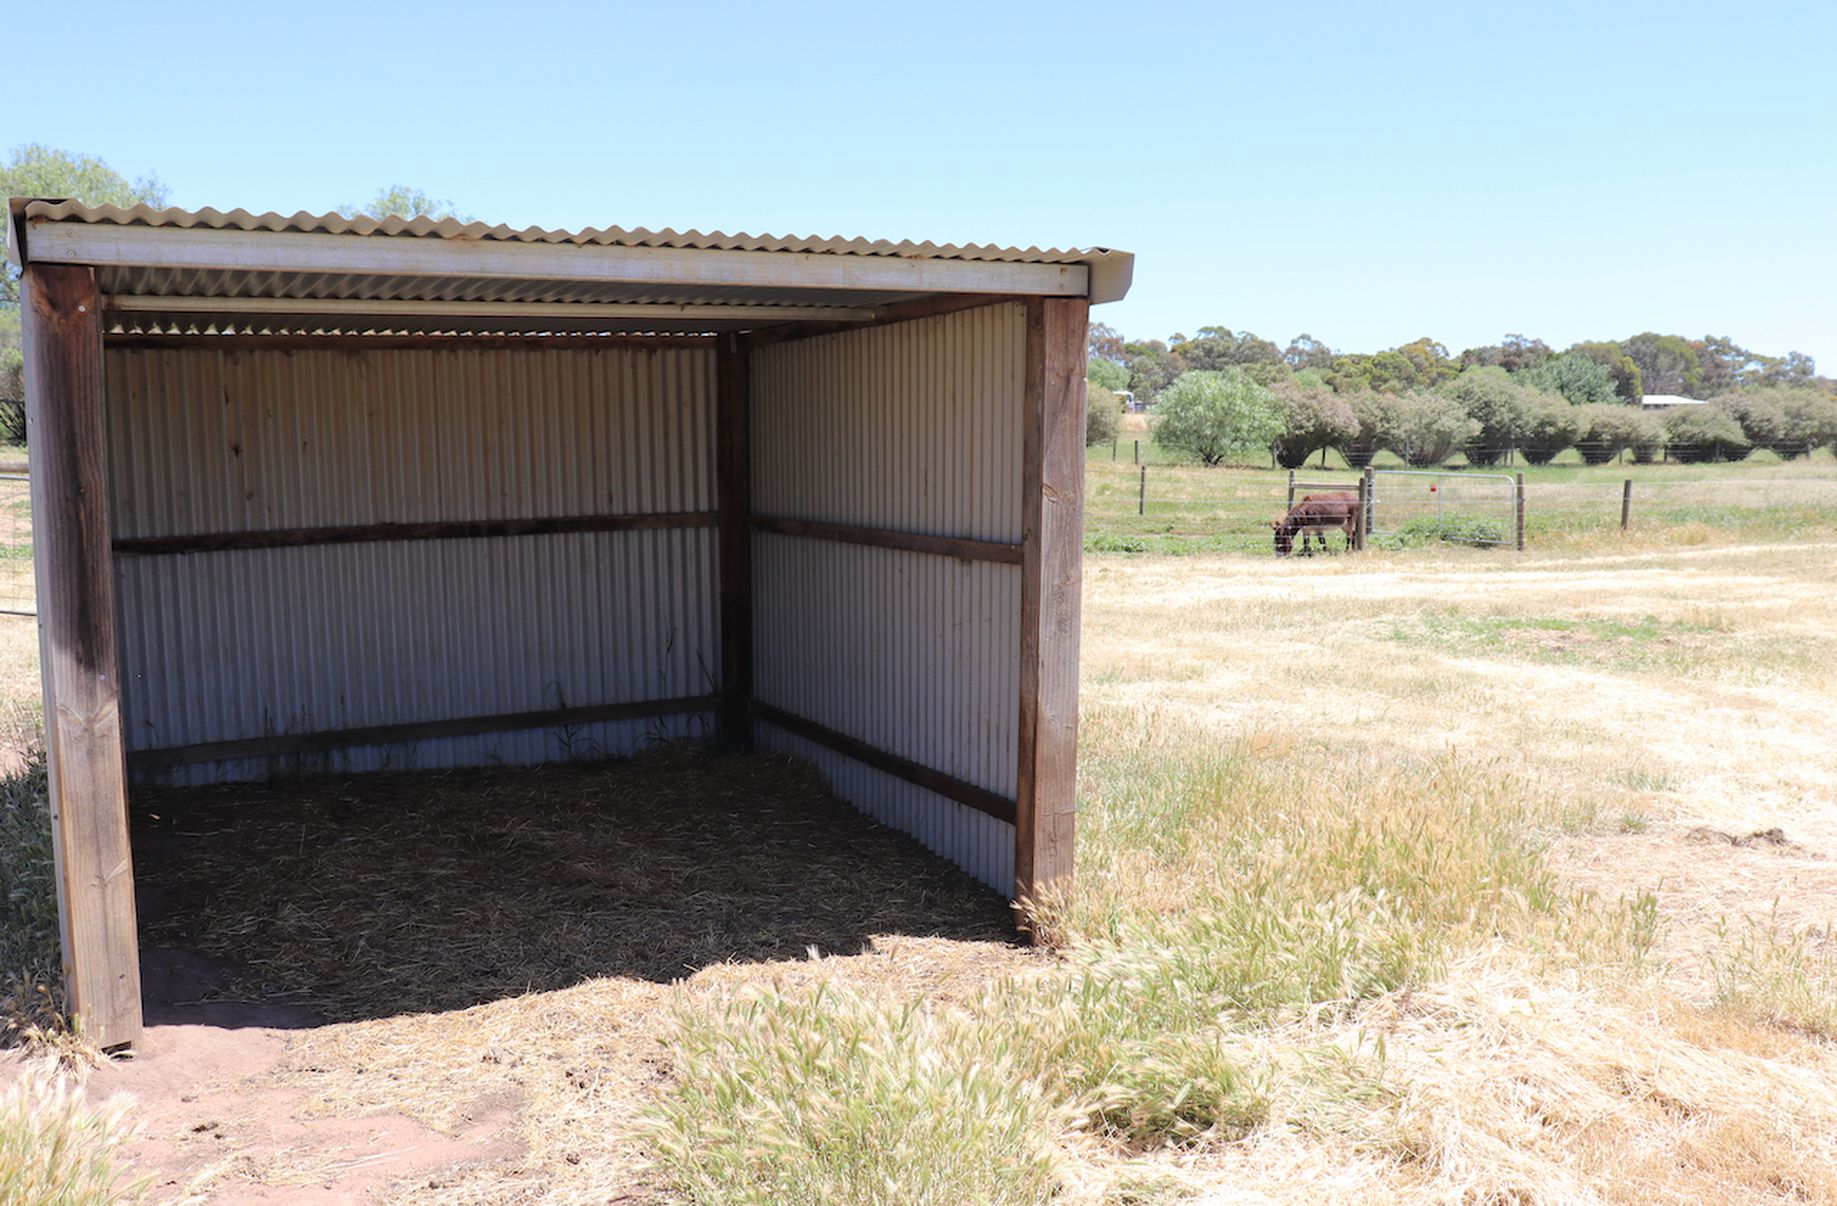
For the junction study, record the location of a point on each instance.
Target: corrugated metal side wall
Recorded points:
(227, 645)
(915, 427)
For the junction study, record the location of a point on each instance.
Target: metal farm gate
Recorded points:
(1466, 508)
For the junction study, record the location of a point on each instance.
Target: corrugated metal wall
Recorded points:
(916, 427)
(227, 645)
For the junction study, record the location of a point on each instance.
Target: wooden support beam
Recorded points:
(375, 533)
(282, 745)
(733, 502)
(181, 247)
(585, 312)
(1052, 562)
(76, 601)
(948, 786)
(583, 342)
(961, 547)
(887, 315)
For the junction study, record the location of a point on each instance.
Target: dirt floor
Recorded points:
(439, 980)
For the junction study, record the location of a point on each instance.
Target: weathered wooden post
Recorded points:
(1370, 482)
(1626, 503)
(1141, 499)
(1358, 529)
(1291, 489)
(1052, 551)
(1520, 511)
(84, 750)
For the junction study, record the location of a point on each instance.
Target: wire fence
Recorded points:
(18, 593)
(1152, 507)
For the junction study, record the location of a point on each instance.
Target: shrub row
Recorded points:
(1485, 414)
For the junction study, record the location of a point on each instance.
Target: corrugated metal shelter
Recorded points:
(315, 492)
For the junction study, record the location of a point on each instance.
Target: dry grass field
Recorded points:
(1441, 874)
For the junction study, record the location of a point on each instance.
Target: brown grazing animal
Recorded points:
(1312, 517)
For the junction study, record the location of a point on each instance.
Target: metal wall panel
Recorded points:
(229, 645)
(917, 427)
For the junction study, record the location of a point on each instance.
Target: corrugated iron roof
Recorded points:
(176, 271)
(597, 236)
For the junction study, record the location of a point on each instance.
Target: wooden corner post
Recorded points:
(76, 632)
(1052, 560)
(733, 501)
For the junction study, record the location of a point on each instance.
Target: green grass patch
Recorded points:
(31, 987)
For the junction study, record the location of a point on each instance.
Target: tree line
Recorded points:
(1225, 393)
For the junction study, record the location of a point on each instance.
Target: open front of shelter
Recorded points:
(322, 495)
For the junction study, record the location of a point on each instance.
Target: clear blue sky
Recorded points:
(1368, 173)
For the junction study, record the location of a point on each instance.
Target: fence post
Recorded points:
(1626, 503)
(1141, 499)
(1520, 512)
(1291, 489)
(1138, 452)
(1370, 483)
(1358, 529)
(1116, 442)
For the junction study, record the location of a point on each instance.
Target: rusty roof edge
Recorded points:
(1113, 266)
(16, 230)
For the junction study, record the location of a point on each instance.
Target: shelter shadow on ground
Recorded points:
(371, 896)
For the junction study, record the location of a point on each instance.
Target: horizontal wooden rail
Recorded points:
(255, 342)
(897, 312)
(951, 788)
(424, 730)
(464, 529)
(960, 547)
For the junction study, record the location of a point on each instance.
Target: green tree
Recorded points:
(1514, 354)
(401, 201)
(1429, 361)
(1152, 368)
(1551, 426)
(1388, 372)
(1313, 417)
(1221, 347)
(1499, 403)
(1603, 430)
(1667, 364)
(1583, 380)
(1212, 415)
(1104, 342)
(1620, 366)
(35, 170)
(1790, 422)
(1705, 433)
(1368, 413)
(1107, 373)
(1103, 414)
(1424, 428)
(1306, 352)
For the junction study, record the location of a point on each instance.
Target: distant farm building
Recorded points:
(1668, 401)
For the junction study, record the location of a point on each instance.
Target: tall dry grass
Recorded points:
(1238, 917)
(57, 1151)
